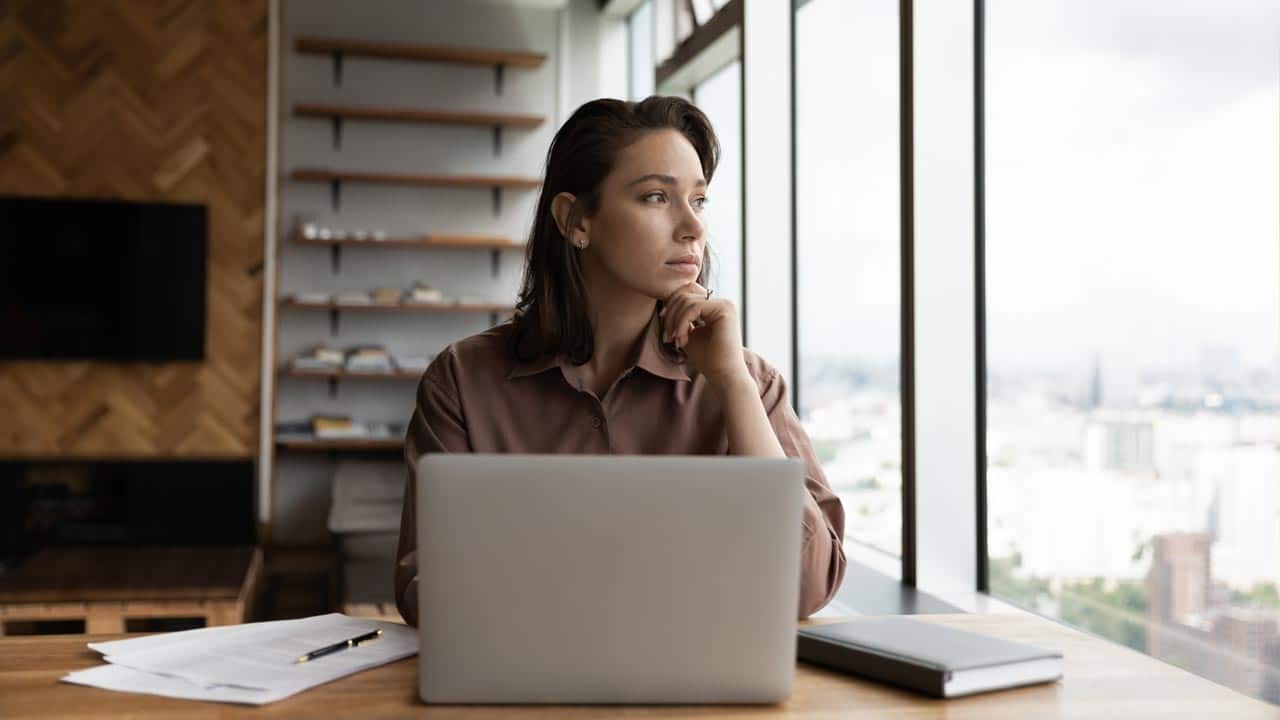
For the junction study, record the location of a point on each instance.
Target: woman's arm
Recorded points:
(746, 422)
(436, 426)
(760, 422)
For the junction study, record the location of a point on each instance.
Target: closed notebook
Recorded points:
(928, 658)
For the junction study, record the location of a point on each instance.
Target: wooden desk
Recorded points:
(1102, 680)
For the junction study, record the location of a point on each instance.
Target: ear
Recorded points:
(560, 206)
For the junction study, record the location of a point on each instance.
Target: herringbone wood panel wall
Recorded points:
(149, 100)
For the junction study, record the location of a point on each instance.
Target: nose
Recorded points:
(690, 226)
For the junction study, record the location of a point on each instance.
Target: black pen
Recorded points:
(343, 645)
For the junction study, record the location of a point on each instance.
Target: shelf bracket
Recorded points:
(497, 140)
(497, 78)
(335, 257)
(333, 322)
(335, 193)
(494, 256)
(337, 69)
(497, 200)
(333, 386)
(337, 132)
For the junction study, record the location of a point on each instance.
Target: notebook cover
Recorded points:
(908, 653)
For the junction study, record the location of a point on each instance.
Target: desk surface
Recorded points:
(1101, 680)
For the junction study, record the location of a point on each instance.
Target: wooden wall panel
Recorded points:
(146, 100)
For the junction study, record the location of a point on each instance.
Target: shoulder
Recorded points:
(476, 358)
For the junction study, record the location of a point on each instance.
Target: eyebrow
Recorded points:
(665, 179)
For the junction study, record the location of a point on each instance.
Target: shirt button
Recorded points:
(595, 421)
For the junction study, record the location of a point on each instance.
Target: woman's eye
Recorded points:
(699, 202)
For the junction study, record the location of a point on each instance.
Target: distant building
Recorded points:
(1119, 444)
(1095, 383)
(1234, 646)
(1178, 583)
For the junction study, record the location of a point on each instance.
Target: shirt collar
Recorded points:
(650, 359)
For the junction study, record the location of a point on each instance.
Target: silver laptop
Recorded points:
(607, 578)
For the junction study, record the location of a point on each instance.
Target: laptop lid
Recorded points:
(607, 579)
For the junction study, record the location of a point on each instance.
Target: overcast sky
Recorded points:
(1133, 177)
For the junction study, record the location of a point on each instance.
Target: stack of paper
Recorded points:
(253, 664)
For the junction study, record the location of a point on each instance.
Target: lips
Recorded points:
(685, 260)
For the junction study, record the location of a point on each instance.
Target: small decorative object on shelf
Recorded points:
(424, 293)
(310, 232)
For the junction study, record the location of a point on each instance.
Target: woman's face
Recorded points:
(648, 234)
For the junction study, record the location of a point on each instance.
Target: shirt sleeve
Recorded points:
(437, 426)
(822, 560)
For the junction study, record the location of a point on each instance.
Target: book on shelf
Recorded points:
(294, 430)
(310, 363)
(369, 358)
(317, 298)
(387, 296)
(337, 427)
(320, 357)
(353, 298)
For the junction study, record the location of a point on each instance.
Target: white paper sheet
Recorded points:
(124, 679)
(252, 663)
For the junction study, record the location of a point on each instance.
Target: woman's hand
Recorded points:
(707, 330)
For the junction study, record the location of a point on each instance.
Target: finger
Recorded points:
(672, 312)
(692, 311)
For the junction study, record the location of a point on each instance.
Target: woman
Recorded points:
(617, 346)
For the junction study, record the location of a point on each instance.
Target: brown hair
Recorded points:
(552, 310)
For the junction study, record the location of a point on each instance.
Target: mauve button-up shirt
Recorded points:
(475, 397)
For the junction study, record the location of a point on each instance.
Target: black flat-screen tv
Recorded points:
(101, 280)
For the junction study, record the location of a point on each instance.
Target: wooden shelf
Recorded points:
(401, 307)
(484, 242)
(421, 53)
(413, 115)
(342, 444)
(379, 178)
(339, 373)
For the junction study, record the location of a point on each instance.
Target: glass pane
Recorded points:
(640, 39)
(1133, 305)
(848, 235)
(720, 97)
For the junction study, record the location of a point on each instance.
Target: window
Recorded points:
(1133, 308)
(640, 51)
(848, 257)
(720, 97)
